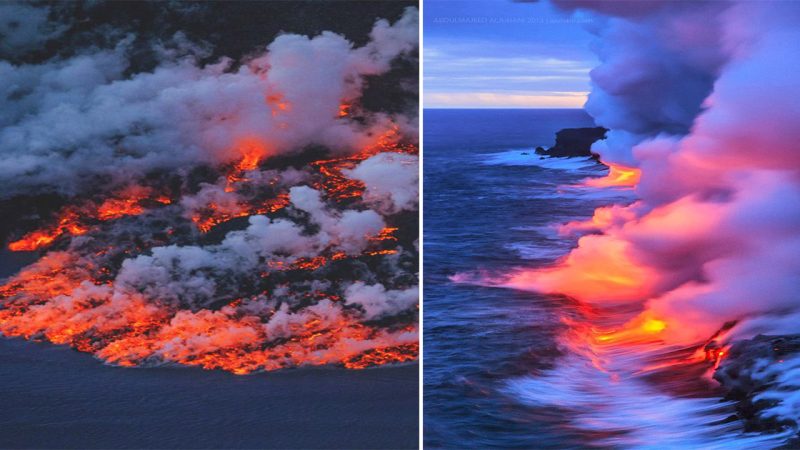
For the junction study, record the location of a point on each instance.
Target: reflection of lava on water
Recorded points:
(278, 249)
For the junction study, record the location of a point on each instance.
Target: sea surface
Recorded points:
(495, 374)
(54, 397)
(480, 214)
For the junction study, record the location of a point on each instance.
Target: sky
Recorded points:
(504, 54)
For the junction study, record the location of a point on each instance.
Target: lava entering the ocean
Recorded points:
(234, 231)
(702, 126)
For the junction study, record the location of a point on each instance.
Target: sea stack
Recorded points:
(574, 142)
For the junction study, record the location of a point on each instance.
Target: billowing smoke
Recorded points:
(701, 100)
(71, 123)
(244, 214)
(387, 178)
(659, 61)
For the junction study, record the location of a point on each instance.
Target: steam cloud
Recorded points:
(66, 122)
(702, 99)
(213, 211)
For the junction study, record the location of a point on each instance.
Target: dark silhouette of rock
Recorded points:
(737, 374)
(574, 142)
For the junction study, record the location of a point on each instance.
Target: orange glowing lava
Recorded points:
(386, 234)
(127, 203)
(214, 214)
(53, 300)
(618, 176)
(76, 221)
(385, 355)
(251, 150)
(67, 299)
(69, 222)
(344, 110)
(339, 187)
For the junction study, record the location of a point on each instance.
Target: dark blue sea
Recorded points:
(495, 375)
(479, 213)
(53, 397)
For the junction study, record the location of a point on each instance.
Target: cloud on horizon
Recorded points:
(496, 55)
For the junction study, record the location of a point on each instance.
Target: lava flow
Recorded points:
(707, 256)
(68, 222)
(618, 176)
(77, 220)
(95, 304)
(236, 214)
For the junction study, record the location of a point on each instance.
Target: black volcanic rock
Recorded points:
(739, 375)
(574, 142)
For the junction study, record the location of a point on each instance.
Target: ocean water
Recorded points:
(495, 373)
(483, 201)
(54, 397)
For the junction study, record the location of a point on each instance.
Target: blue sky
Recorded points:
(501, 54)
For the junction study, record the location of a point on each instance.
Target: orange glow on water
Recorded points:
(653, 326)
(627, 258)
(636, 330)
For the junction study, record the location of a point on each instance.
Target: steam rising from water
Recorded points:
(701, 100)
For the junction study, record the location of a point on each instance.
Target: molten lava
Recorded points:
(340, 187)
(80, 300)
(344, 110)
(214, 214)
(601, 269)
(385, 355)
(126, 204)
(618, 176)
(78, 220)
(607, 277)
(69, 222)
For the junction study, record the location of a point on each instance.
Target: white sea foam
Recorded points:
(519, 157)
(534, 250)
(629, 413)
